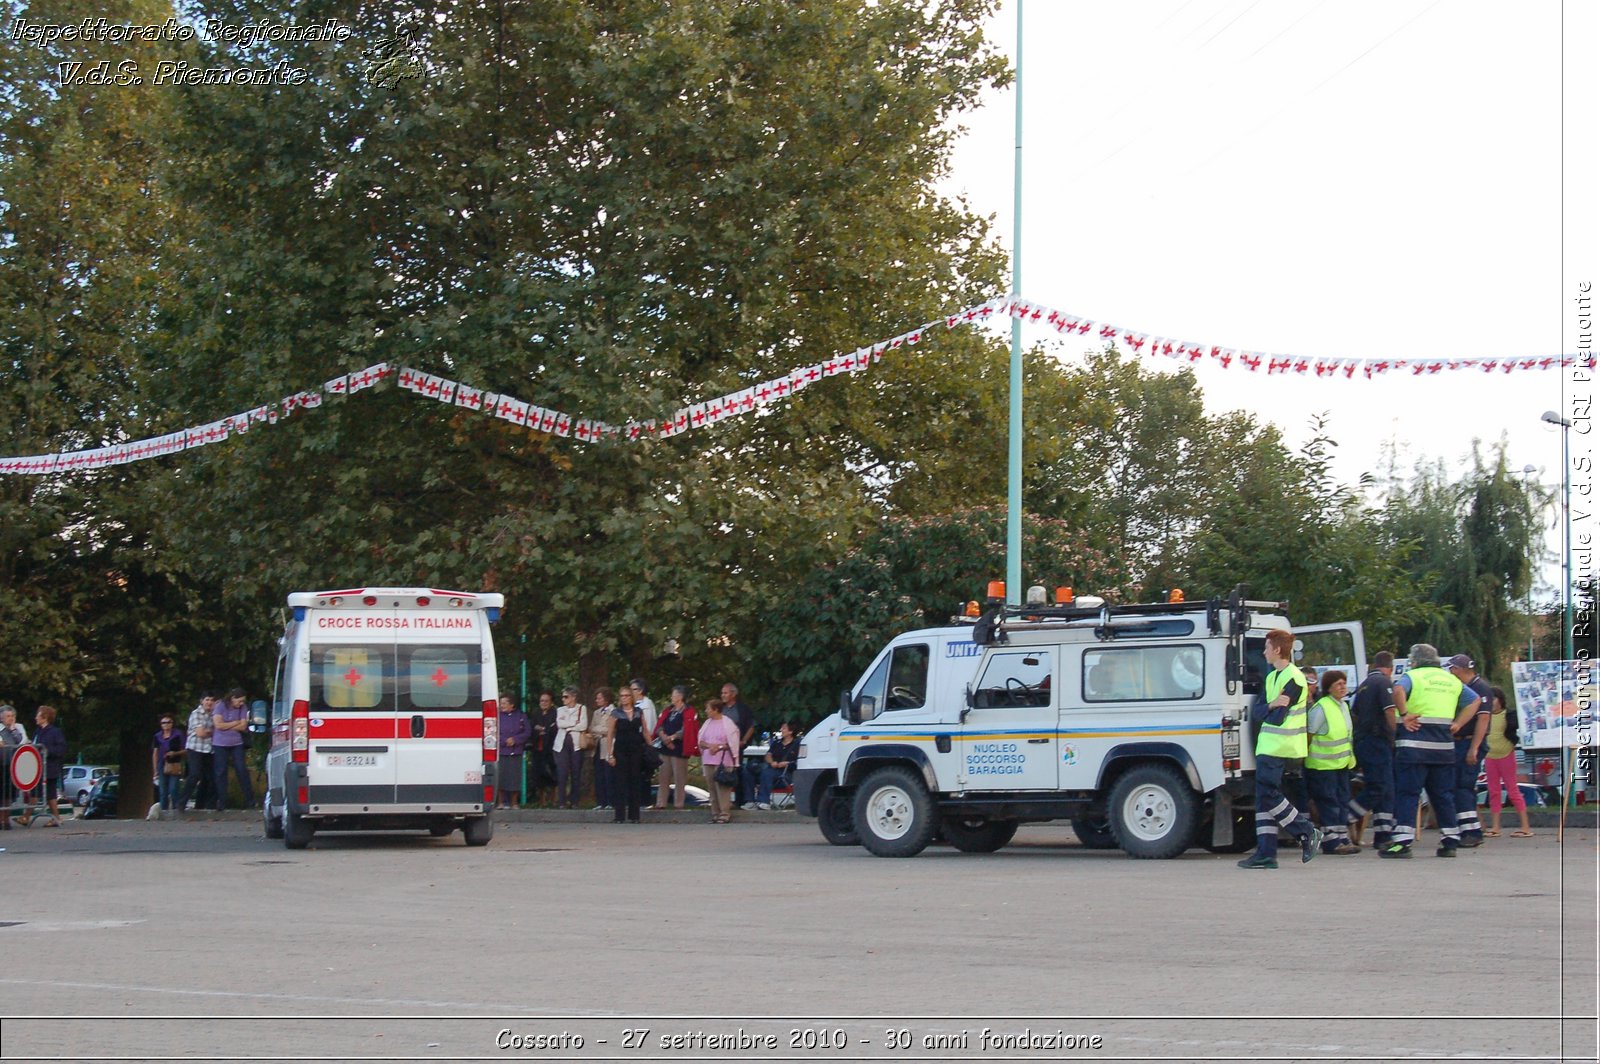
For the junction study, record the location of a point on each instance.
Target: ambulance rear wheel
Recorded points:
(270, 820)
(1094, 832)
(976, 835)
(837, 820)
(894, 813)
(1153, 812)
(297, 830)
(478, 830)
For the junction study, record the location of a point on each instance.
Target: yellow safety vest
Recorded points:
(1434, 695)
(1289, 738)
(1331, 749)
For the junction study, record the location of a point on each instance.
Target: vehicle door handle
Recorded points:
(418, 725)
(1038, 740)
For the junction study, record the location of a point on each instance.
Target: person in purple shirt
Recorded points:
(231, 721)
(515, 731)
(166, 748)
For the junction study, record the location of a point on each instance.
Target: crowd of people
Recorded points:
(52, 742)
(1428, 730)
(636, 755)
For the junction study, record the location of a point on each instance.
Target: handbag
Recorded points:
(650, 759)
(173, 766)
(584, 739)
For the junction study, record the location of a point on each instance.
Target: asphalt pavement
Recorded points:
(571, 938)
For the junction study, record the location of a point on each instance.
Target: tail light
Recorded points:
(491, 730)
(300, 733)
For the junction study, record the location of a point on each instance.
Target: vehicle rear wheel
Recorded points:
(270, 820)
(1094, 831)
(82, 799)
(894, 813)
(1244, 833)
(478, 830)
(1153, 812)
(837, 820)
(297, 830)
(977, 835)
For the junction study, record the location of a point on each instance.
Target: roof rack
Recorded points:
(991, 627)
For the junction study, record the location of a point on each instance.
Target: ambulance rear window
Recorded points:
(443, 677)
(348, 677)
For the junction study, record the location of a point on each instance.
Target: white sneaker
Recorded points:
(763, 805)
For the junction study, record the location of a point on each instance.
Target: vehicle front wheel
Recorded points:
(894, 813)
(1153, 812)
(976, 835)
(837, 820)
(478, 830)
(1094, 831)
(297, 830)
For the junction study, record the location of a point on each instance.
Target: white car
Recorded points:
(78, 780)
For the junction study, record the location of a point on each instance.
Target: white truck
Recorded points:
(1130, 721)
(385, 714)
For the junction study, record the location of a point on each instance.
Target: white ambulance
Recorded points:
(385, 714)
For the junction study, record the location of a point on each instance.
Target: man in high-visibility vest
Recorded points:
(1328, 762)
(1470, 742)
(1282, 739)
(1425, 750)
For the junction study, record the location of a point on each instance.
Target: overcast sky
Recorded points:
(1361, 179)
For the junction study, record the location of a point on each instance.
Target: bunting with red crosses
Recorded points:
(762, 396)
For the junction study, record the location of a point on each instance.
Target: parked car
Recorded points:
(102, 801)
(78, 780)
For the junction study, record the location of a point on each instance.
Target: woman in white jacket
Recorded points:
(572, 720)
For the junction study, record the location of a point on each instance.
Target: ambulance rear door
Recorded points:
(351, 705)
(439, 695)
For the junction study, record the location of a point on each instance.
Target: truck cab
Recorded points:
(1130, 721)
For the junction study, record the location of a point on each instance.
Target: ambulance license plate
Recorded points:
(353, 761)
(1230, 744)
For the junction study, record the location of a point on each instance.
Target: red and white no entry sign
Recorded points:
(27, 768)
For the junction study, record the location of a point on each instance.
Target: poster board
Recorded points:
(1555, 702)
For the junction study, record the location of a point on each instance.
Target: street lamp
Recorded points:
(1528, 471)
(1565, 426)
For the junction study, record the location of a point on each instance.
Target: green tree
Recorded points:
(1477, 536)
(610, 209)
(909, 572)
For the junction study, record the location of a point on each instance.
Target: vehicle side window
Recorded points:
(1144, 674)
(350, 678)
(280, 697)
(870, 697)
(443, 677)
(908, 677)
(1014, 678)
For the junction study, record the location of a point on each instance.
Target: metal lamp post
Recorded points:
(1565, 426)
(1528, 471)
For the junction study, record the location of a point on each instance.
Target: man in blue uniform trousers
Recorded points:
(1372, 732)
(1425, 750)
(1469, 749)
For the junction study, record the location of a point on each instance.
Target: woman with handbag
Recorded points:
(572, 730)
(601, 720)
(675, 739)
(167, 763)
(719, 757)
(624, 754)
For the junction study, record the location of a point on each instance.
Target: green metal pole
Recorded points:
(1014, 464)
(522, 791)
